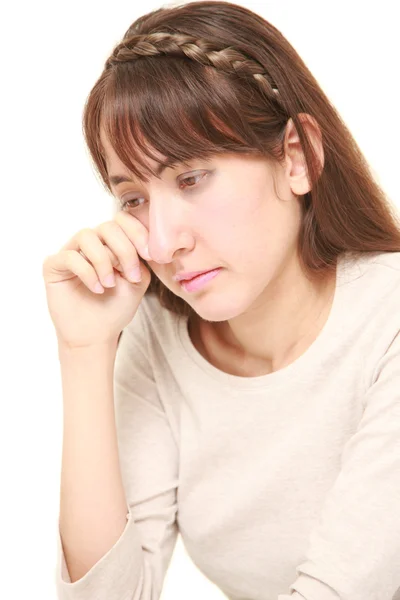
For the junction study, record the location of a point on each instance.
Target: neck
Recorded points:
(284, 319)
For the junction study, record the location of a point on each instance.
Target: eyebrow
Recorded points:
(117, 179)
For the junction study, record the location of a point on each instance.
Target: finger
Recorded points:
(114, 237)
(94, 251)
(73, 244)
(69, 261)
(135, 231)
(114, 259)
(116, 267)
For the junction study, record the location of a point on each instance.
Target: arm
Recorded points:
(93, 508)
(133, 565)
(354, 551)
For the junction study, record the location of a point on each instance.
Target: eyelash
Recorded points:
(125, 202)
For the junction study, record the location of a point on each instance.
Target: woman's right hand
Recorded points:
(81, 316)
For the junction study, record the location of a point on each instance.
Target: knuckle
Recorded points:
(66, 259)
(83, 233)
(128, 223)
(108, 226)
(77, 259)
(120, 217)
(70, 257)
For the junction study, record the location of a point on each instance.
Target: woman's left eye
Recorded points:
(193, 177)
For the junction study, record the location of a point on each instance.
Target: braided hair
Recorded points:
(205, 52)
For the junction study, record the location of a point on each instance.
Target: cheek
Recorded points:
(238, 218)
(226, 215)
(218, 228)
(238, 213)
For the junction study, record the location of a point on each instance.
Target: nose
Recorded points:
(169, 229)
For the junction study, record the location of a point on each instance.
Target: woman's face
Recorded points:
(223, 212)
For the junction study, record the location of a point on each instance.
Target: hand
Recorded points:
(81, 316)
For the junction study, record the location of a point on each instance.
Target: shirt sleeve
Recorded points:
(354, 550)
(135, 567)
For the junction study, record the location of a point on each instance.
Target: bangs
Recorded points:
(176, 107)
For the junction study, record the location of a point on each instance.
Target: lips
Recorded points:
(198, 275)
(200, 281)
(190, 275)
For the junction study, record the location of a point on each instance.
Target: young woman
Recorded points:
(254, 408)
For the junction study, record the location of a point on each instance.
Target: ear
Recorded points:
(295, 165)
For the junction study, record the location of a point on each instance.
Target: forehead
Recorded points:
(113, 162)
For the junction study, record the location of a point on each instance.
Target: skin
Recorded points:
(260, 312)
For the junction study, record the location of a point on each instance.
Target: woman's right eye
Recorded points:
(126, 202)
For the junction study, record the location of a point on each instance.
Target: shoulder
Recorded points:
(376, 273)
(370, 305)
(388, 260)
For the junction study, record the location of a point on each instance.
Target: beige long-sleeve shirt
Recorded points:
(283, 486)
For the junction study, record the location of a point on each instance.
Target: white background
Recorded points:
(51, 54)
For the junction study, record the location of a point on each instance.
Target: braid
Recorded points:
(227, 59)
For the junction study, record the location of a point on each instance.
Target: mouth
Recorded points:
(199, 281)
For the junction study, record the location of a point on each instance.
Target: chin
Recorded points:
(215, 309)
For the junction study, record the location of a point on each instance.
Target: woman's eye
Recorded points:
(127, 202)
(193, 177)
(132, 200)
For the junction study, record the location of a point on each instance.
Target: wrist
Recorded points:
(66, 351)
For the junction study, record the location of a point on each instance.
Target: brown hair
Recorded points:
(211, 77)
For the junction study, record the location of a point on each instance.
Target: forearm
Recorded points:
(93, 507)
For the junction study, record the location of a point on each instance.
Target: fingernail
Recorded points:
(135, 275)
(109, 281)
(146, 253)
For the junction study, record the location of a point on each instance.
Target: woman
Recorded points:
(255, 408)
